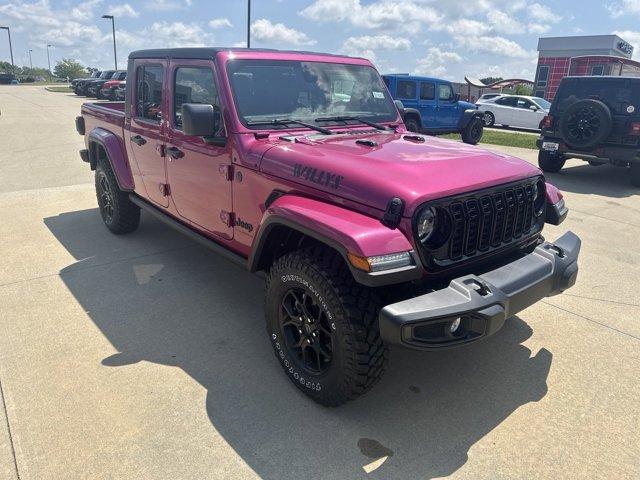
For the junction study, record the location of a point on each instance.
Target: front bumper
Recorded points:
(481, 302)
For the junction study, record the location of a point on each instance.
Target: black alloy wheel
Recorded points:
(105, 197)
(585, 123)
(306, 330)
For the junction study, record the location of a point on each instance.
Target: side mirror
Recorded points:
(400, 107)
(534, 108)
(201, 120)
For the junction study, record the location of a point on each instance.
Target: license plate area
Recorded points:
(550, 146)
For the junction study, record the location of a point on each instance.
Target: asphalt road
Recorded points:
(145, 356)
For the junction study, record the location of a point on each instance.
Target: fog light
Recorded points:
(455, 325)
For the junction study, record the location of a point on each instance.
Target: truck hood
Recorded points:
(372, 168)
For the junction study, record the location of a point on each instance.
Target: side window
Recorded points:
(149, 92)
(523, 103)
(597, 70)
(445, 92)
(427, 91)
(193, 85)
(406, 89)
(387, 81)
(507, 101)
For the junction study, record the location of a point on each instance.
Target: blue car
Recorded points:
(431, 106)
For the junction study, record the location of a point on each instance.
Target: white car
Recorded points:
(514, 110)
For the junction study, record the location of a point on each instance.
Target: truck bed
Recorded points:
(98, 113)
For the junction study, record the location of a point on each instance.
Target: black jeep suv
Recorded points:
(596, 119)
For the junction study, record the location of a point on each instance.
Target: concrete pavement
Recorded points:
(145, 356)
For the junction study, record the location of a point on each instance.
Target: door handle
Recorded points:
(174, 152)
(138, 140)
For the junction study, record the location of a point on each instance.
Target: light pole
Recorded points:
(30, 62)
(248, 23)
(10, 47)
(113, 28)
(49, 59)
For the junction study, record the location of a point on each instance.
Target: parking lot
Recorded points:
(145, 356)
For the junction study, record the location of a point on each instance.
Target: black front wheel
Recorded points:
(473, 131)
(412, 124)
(323, 326)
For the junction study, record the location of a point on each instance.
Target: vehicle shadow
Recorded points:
(185, 307)
(605, 180)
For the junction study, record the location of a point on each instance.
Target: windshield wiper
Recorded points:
(287, 121)
(345, 118)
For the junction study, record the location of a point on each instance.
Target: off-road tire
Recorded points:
(550, 163)
(472, 133)
(634, 174)
(358, 354)
(585, 123)
(488, 119)
(412, 124)
(118, 213)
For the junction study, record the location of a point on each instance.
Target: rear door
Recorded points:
(448, 110)
(427, 104)
(198, 173)
(503, 110)
(146, 131)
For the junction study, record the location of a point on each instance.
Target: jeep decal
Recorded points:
(319, 177)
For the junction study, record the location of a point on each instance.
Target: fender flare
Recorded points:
(412, 111)
(116, 155)
(343, 230)
(466, 117)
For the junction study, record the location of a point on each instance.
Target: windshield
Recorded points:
(106, 75)
(542, 102)
(307, 91)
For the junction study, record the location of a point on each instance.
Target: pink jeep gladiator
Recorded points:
(298, 164)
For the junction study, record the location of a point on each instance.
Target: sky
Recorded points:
(445, 38)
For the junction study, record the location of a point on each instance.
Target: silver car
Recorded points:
(514, 110)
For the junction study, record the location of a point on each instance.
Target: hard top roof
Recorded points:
(204, 53)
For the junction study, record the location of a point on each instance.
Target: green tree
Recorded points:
(69, 68)
(6, 67)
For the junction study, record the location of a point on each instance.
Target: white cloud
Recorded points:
(434, 64)
(625, 7)
(407, 15)
(165, 5)
(279, 33)
(543, 13)
(124, 10)
(166, 34)
(538, 28)
(83, 11)
(367, 45)
(220, 23)
(504, 23)
(493, 45)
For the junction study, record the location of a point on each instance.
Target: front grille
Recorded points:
(485, 221)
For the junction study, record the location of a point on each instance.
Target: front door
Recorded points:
(146, 132)
(197, 172)
(527, 114)
(448, 109)
(427, 104)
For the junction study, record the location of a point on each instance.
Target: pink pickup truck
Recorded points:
(298, 165)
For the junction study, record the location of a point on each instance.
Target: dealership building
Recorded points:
(581, 55)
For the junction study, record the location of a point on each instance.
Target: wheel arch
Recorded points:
(412, 113)
(292, 222)
(103, 144)
(467, 116)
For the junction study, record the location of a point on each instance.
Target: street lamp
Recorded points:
(248, 23)
(30, 62)
(10, 47)
(113, 28)
(49, 58)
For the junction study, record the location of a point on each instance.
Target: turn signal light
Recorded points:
(380, 262)
(635, 129)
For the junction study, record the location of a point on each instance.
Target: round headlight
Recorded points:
(426, 223)
(539, 198)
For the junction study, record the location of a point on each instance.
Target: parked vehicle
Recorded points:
(94, 87)
(78, 83)
(514, 110)
(119, 91)
(84, 86)
(7, 78)
(596, 119)
(431, 106)
(107, 89)
(299, 165)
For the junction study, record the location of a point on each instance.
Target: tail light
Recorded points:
(547, 122)
(635, 129)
